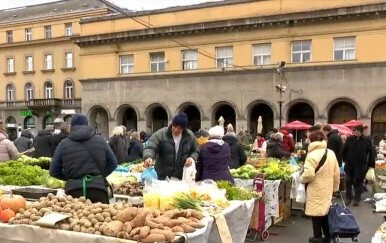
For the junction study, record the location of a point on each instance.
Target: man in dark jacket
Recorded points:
(358, 156)
(84, 160)
(173, 148)
(58, 137)
(275, 147)
(24, 142)
(42, 143)
(135, 149)
(334, 142)
(238, 157)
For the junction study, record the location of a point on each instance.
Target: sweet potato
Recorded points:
(128, 214)
(135, 231)
(196, 225)
(127, 236)
(120, 235)
(145, 230)
(127, 227)
(138, 221)
(187, 228)
(154, 238)
(136, 238)
(169, 235)
(152, 224)
(196, 214)
(177, 229)
(113, 228)
(183, 220)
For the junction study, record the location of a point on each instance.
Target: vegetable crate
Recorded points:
(257, 224)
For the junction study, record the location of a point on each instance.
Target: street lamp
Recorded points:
(280, 88)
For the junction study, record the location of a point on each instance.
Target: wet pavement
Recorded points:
(298, 229)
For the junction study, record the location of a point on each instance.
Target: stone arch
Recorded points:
(347, 100)
(378, 120)
(302, 110)
(374, 104)
(157, 116)
(341, 112)
(11, 127)
(226, 109)
(194, 113)
(98, 119)
(127, 115)
(260, 108)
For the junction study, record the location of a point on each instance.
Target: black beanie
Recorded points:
(79, 120)
(180, 120)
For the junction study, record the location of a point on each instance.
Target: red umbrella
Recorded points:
(297, 125)
(353, 123)
(341, 129)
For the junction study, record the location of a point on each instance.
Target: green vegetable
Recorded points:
(276, 169)
(185, 201)
(20, 174)
(245, 172)
(236, 193)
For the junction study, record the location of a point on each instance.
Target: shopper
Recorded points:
(135, 150)
(259, 145)
(334, 142)
(382, 145)
(214, 159)
(84, 160)
(204, 137)
(358, 155)
(172, 147)
(288, 141)
(24, 142)
(8, 150)
(275, 147)
(42, 143)
(238, 157)
(118, 144)
(321, 183)
(60, 133)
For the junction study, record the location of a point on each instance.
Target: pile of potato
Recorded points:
(118, 220)
(130, 189)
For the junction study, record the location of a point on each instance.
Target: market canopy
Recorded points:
(297, 125)
(341, 129)
(353, 123)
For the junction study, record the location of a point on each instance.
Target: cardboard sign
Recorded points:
(223, 229)
(51, 219)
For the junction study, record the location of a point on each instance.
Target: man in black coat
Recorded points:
(358, 157)
(135, 149)
(238, 157)
(334, 142)
(42, 143)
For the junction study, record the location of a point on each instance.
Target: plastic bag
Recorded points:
(189, 173)
(370, 175)
(148, 174)
(301, 193)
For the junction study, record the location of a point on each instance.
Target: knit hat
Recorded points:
(79, 120)
(216, 132)
(180, 120)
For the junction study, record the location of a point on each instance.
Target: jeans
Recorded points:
(319, 224)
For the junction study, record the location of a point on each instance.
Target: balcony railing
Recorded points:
(42, 103)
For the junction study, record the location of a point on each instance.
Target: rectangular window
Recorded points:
(189, 59)
(224, 56)
(28, 34)
(344, 48)
(9, 36)
(29, 92)
(157, 62)
(69, 91)
(10, 65)
(262, 54)
(69, 59)
(301, 51)
(68, 27)
(29, 66)
(48, 62)
(10, 93)
(126, 64)
(47, 32)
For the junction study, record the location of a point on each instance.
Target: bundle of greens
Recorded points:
(42, 162)
(20, 174)
(236, 193)
(276, 169)
(185, 201)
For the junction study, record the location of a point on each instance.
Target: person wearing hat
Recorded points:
(204, 137)
(238, 157)
(358, 156)
(214, 158)
(42, 143)
(58, 124)
(84, 160)
(24, 142)
(172, 147)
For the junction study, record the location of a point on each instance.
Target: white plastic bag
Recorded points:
(301, 193)
(370, 175)
(189, 173)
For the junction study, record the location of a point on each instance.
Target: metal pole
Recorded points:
(280, 107)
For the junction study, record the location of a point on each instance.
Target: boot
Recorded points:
(316, 240)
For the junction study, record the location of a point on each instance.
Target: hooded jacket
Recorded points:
(8, 150)
(42, 144)
(118, 145)
(160, 147)
(335, 143)
(275, 149)
(135, 149)
(213, 161)
(24, 142)
(238, 157)
(82, 153)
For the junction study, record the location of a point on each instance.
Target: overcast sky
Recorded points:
(129, 4)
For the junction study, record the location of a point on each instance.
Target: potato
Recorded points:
(187, 228)
(106, 214)
(97, 232)
(169, 235)
(83, 229)
(94, 221)
(91, 230)
(136, 238)
(120, 234)
(154, 238)
(135, 231)
(127, 236)
(99, 217)
(127, 227)
(127, 214)
(113, 228)
(91, 216)
(86, 213)
(145, 230)
(139, 220)
(108, 220)
(152, 224)
(65, 227)
(82, 199)
(196, 225)
(97, 210)
(87, 224)
(102, 228)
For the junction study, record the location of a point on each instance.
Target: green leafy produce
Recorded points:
(245, 172)
(185, 201)
(52, 182)
(19, 174)
(42, 162)
(236, 193)
(276, 169)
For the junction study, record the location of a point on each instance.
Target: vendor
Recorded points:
(84, 160)
(214, 158)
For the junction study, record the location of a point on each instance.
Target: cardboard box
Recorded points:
(287, 209)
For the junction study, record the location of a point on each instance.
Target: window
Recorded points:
(189, 59)
(48, 62)
(28, 34)
(224, 56)
(29, 65)
(47, 32)
(48, 90)
(262, 54)
(157, 62)
(344, 48)
(10, 92)
(69, 60)
(301, 51)
(68, 90)
(68, 27)
(29, 91)
(126, 64)
(10, 65)
(9, 36)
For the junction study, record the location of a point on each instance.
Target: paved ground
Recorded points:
(298, 229)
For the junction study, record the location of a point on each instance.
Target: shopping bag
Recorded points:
(301, 193)
(189, 173)
(370, 175)
(148, 174)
